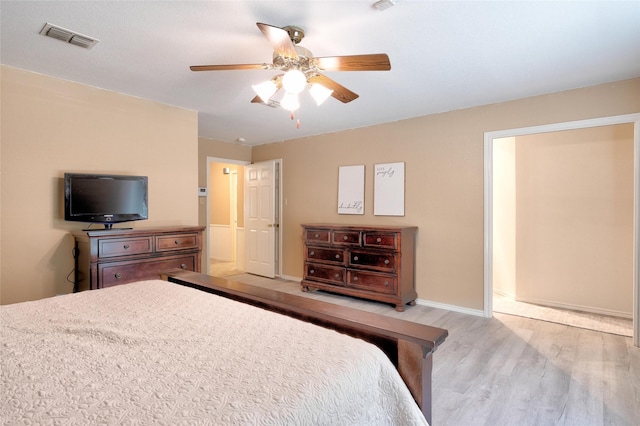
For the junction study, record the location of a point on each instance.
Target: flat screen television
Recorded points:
(105, 199)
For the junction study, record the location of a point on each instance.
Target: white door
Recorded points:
(260, 218)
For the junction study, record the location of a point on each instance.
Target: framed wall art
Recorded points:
(351, 189)
(388, 191)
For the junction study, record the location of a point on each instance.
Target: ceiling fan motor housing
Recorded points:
(296, 34)
(302, 62)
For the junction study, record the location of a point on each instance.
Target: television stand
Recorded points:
(107, 228)
(108, 257)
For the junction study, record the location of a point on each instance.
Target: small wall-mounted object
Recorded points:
(226, 170)
(202, 191)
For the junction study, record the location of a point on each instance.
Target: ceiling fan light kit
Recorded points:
(319, 93)
(265, 90)
(294, 81)
(302, 69)
(290, 102)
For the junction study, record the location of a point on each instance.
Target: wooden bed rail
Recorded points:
(408, 345)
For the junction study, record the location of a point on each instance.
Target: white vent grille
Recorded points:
(68, 36)
(271, 103)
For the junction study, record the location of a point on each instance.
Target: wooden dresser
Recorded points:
(371, 262)
(105, 258)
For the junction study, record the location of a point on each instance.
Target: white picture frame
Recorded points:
(351, 189)
(388, 191)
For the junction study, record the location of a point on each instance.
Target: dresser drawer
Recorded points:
(372, 281)
(124, 246)
(351, 238)
(176, 242)
(325, 255)
(111, 274)
(317, 236)
(386, 240)
(386, 262)
(324, 273)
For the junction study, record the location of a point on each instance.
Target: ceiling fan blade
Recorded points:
(341, 93)
(228, 67)
(279, 39)
(373, 62)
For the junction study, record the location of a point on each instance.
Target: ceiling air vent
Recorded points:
(68, 36)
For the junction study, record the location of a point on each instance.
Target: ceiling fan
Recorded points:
(300, 68)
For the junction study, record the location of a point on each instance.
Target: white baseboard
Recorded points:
(452, 308)
(504, 293)
(291, 278)
(422, 302)
(573, 307)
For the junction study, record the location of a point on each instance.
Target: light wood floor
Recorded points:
(510, 370)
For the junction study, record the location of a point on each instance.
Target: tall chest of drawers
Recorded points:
(371, 262)
(105, 258)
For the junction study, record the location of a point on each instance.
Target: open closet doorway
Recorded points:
(495, 248)
(225, 216)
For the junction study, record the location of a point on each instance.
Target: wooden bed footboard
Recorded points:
(408, 345)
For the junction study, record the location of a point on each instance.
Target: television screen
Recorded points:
(105, 199)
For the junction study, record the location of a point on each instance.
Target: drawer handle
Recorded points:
(312, 253)
(355, 258)
(337, 276)
(355, 278)
(118, 275)
(312, 271)
(317, 236)
(177, 242)
(126, 246)
(337, 256)
(379, 240)
(386, 261)
(345, 238)
(183, 266)
(386, 283)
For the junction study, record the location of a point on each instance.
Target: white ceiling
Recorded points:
(444, 55)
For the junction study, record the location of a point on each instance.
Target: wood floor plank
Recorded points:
(510, 370)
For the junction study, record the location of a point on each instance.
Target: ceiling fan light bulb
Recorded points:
(319, 93)
(265, 90)
(290, 101)
(294, 81)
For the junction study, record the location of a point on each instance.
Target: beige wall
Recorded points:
(444, 179)
(219, 188)
(575, 219)
(51, 126)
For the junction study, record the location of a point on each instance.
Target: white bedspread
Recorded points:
(157, 352)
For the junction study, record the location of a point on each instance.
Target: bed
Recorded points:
(159, 352)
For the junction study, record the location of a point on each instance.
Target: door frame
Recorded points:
(488, 200)
(208, 204)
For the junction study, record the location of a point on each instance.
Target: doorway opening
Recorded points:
(491, 143)
(225, 207)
